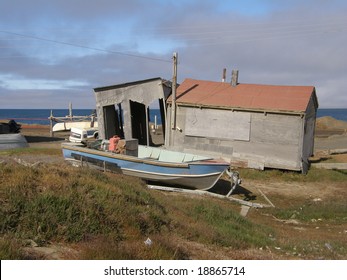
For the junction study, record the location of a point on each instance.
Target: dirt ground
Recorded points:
(330, 135)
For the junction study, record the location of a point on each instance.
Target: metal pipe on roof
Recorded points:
(234, 77)
(224, 75)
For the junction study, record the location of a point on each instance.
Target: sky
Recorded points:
(56, 52)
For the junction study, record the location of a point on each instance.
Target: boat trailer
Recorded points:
(235, 181)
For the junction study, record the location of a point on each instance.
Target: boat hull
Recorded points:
(200, 175)
(64, 126)
(12, 141)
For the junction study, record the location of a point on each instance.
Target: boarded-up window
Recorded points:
(221, 124)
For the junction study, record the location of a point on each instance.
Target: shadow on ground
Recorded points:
(223, 187)
(38, 139)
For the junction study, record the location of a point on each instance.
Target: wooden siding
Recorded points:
(274, 140)
(275, 129)
(219, 124)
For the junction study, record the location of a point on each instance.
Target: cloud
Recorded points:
(13, 83)
(70, 47)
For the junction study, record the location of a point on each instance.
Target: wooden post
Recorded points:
(147, 126)
(51, 133)
(70, 110)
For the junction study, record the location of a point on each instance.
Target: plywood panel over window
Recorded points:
(221, 124)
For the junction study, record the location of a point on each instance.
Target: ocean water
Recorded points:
(339, 114)
(40, 116)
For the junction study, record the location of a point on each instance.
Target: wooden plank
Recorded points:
(266, 198)
(337, 151)
(200, 192)
(240, 109)
(335, 166)
(244, 210)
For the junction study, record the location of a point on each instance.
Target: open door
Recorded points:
(113, 121)
(138, 122)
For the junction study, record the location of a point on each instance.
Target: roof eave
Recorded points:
(98, 89)
(258, 110)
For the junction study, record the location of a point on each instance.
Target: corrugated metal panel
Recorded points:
(244, 96)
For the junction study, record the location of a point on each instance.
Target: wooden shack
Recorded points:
(255, 126)
(123, 109)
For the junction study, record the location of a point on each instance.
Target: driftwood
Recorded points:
(244, 210)
(266, 198)
(325, 154)
(27, 164)
(337, 151)
(335, 166)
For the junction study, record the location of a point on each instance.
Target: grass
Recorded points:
(313, 175)
(62, 204)
(109, 216)
(332, 211)
(218, 224)
(10, 249)
(31, 151)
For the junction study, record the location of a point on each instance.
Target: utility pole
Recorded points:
(174, 84)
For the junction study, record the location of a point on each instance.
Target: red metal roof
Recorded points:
(244, 96)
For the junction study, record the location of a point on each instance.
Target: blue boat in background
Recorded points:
(151, 164)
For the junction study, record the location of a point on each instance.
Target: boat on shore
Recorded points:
(151, 164)
(10, 137)
(12, 141)
(70, 121)
(67, 125)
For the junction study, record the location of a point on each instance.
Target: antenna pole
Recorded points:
(174, 84)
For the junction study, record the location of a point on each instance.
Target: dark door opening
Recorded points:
(113, 120)
(138, 122)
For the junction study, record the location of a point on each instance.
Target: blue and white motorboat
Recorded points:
(152, 164)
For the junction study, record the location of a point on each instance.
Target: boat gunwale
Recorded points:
(165, 174)
(124, 157)
(138, 160)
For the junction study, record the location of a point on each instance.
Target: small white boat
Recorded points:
(64, 126)
(152, 164)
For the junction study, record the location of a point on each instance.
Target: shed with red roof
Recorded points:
(253, 125)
